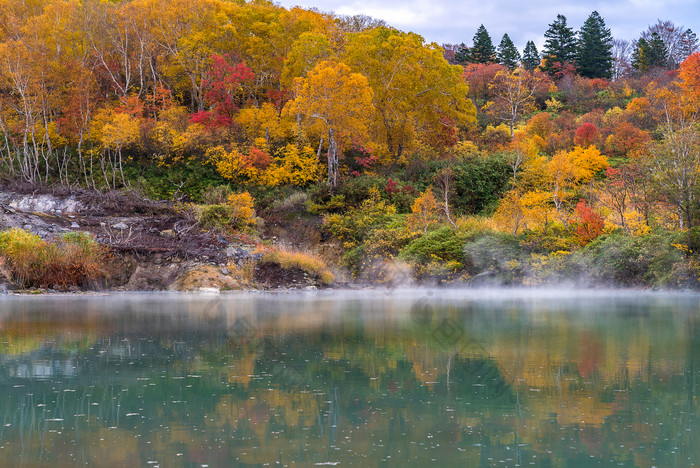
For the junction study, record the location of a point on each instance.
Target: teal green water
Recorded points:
(369, 378)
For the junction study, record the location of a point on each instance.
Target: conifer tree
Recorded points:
(594, 57)
(650, 54)
(559, 47)
(507, 54)
(531, 57)
(483, 50)
(462, 54)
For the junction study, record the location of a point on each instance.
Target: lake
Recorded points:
(547, 378)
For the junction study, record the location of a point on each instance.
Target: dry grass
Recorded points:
(305, 261)
(74, 259)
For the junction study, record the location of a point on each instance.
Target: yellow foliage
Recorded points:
(119, 131)
(425, 212)
(568, 168)
(293, 165)
(259, 123)
(243, 208)
(229, 164)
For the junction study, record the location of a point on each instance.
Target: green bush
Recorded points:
(650, 260)
(498, 253)
(479, 183)
(443, 245)
(215, 216)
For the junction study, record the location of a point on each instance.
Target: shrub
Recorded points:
(479, 183)
(442, 246)
(215, 216)
(621, 259)
(499, 253)
(353, 227)
(242, 210)
(73, 259)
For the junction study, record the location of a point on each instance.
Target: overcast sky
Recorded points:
(455, 21)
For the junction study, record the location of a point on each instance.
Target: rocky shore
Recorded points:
(154, 246)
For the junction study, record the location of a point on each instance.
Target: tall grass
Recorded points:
(307, 262)
(74, 259)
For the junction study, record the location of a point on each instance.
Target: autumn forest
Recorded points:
(424, 162)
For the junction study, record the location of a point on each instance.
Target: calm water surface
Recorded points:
(370, 378)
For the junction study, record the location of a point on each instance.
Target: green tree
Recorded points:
(559, 46)
(594, 58)
(531, 57)
(507, 54)
(483, 50)
(649, 54)
(462, 54)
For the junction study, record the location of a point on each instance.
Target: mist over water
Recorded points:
(477, 377)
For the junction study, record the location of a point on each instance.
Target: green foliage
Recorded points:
(649, 54)
(632, 261)
(355, 226)
(217, 195)
(444, 245)
(559, 46)
(499, 253)
(479, 183)
(531, 57)
(594, 56)
(483, 50)
(215, 216)
(190, 179)
(507, 54)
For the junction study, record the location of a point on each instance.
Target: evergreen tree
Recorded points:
(507, 54)
(559, 46)
(462, 54)
(531, 57)
(649, 54)
(594, 57)
(483, 50)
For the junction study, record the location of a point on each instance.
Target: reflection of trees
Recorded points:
(543, 388)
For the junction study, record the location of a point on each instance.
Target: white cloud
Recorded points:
(456, 21)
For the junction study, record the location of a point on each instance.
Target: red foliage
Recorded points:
(391, 187)
(586, 135)
(590, 224)
(626, 139)
(258, 158)
(480, 76)
(222, 85)
(367, 162)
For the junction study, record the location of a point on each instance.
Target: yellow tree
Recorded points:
(338, 98)
(416, 92)
(567, 170)
(425, 212)
(514, 94)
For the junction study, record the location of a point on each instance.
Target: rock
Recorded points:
(74, 225)
(103, 224)
(224, 271)
(204, 278)
(27, 227)
(58, 212)
(121, 226)
(168, 234)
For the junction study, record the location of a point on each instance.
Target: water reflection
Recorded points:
(476, 378)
